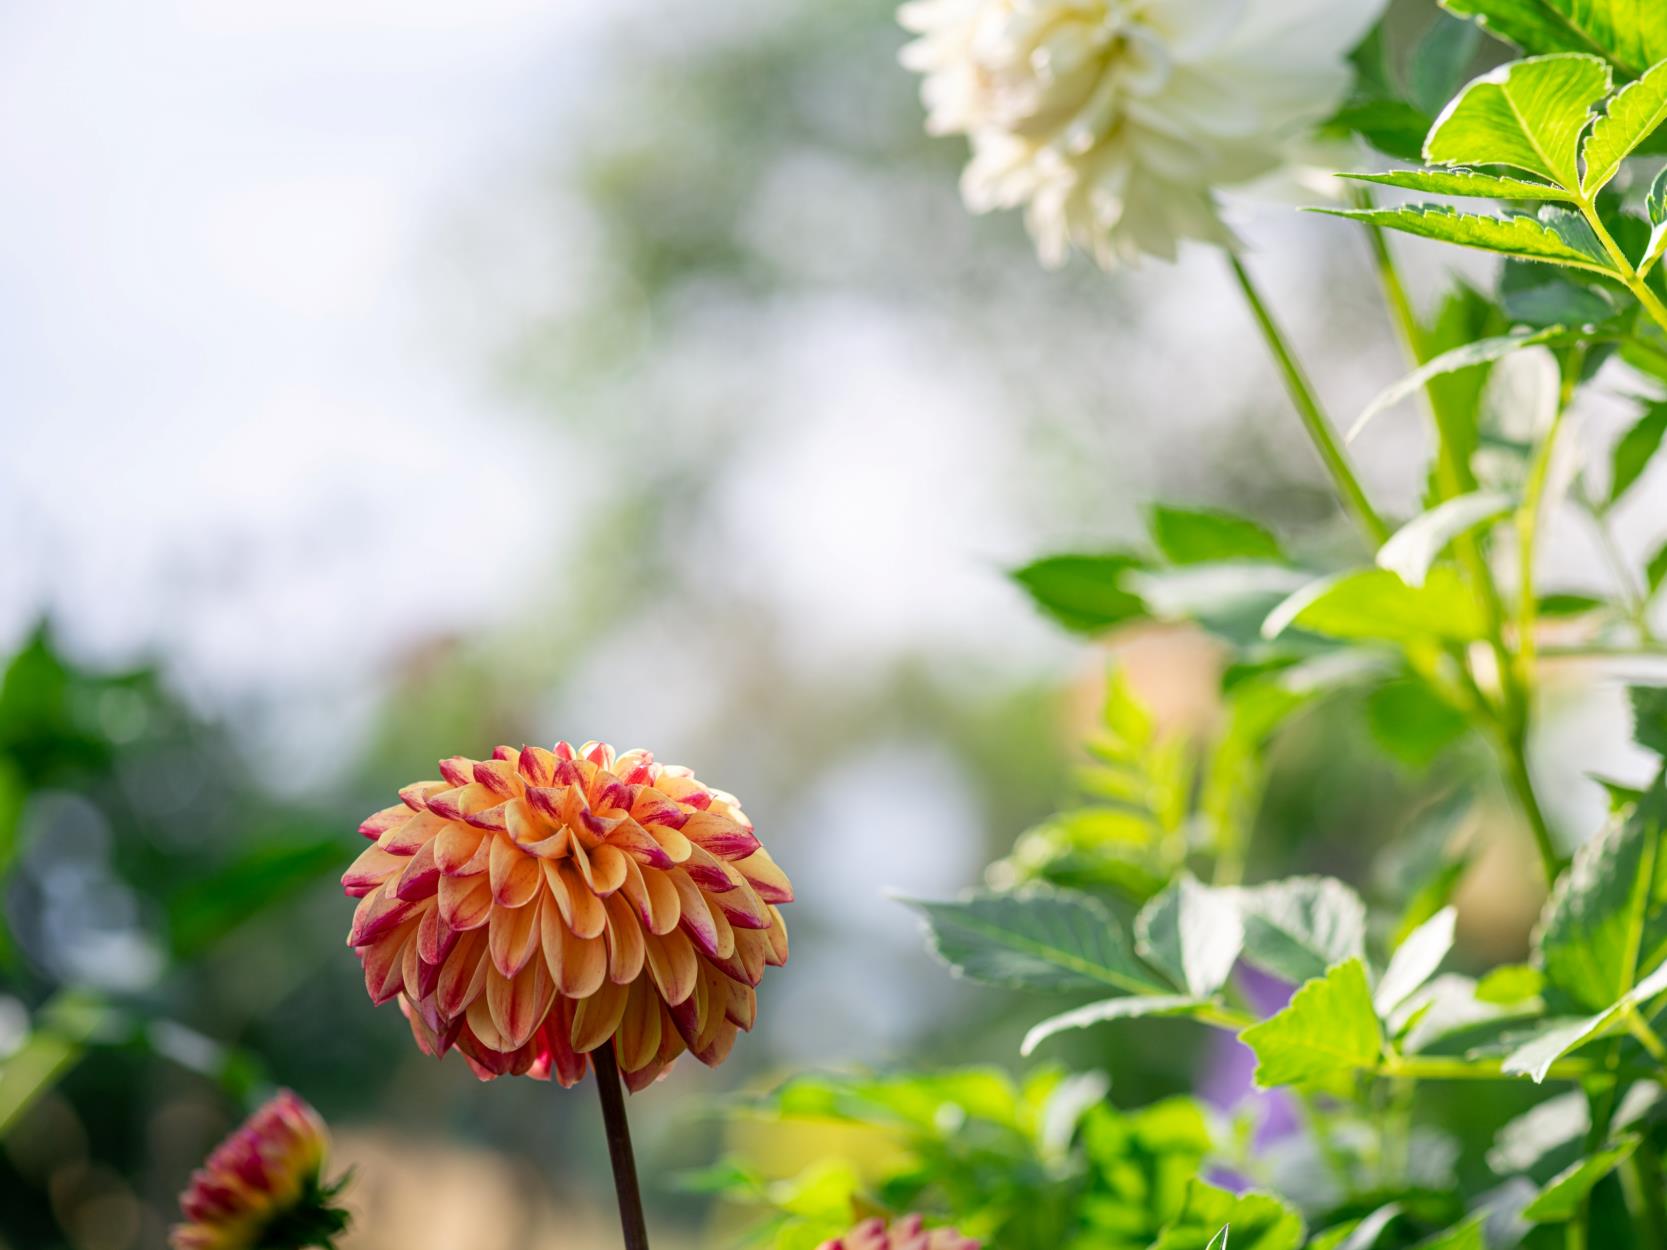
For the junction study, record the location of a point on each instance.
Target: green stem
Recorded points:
(1623, 267)
(1528, 529)
(1514, 748)
(1643, 1185)
(1308, 408)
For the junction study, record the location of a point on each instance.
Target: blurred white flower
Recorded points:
(1115, 121)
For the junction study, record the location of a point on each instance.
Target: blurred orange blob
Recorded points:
(262, 1188)
(908, 1233)
(532, 907)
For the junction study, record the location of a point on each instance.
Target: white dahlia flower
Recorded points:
(1114, 121)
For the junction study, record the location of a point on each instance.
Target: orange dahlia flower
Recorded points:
(532, 907)
(262, 1188)
(908, 1233)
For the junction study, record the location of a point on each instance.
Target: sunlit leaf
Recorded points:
(1254, 1221)
(1526, 114)
(1632, 34)
(1192, 934)
(1415, 961)
(1518, 235)
(1299, 927)
(1328, 1028)
(1466, 183)
(1204, 536)
(1467, 356)
(1630, 118)
(1083, 592)
(1562, 1198)
(1129, 1007)
(1413, 548)
(1376, 604)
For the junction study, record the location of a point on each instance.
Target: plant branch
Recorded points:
(624, 1163)
(1308, 408)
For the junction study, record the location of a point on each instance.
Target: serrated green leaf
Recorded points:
(1413, 548)
(1328, 1028)
(1039, 939)
(1375, 604)
(1192, 934)
(1205, 536)
(1083, 592)
(1415, 961)
(1561, 1198)
(1465, 183)
(1254, 1221)
(1606, 921)
(1469, 356)
(1465, 1236)
(1412, 723)
(1634, 451)
(1299, 927)
(1630, 33)
(1656, 206)
(1559, 1037)
(1129, 1007)
(1517, 235)
(1526, 114)
(1631, 117)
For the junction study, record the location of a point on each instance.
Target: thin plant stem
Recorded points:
(624, 1163)
(1308, 408)
(1528, 529)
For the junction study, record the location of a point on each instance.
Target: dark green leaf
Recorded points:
(1299, 927)
(1440, 61)
(1413, 724)
(1192, 934)
(1562, 1198)
(1635, 450)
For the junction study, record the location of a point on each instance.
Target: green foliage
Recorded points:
(1528, 115)
(1329, 1029)
(1081, 592)
(1252, 1221)
(1197, 536)
(1632, 35)
(1377, 605)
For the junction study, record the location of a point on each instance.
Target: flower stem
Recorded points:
(624, 1163)
(1308, 408)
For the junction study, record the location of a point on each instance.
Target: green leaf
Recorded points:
(1536, 296)
(1558, 1037)
(1656, 206)
(1192, 934)
(1412, 723)
(1631, 117)
(1516, 234)
(1299, 927)
(1255, 1221)
(1561, 1198)
(1204, 536)
(1635, 450)
(1510, 983)
(1328, 1028)
(1632, 34)
(1649, 718)
(1606, 921)
(1415, 961)
(1468, 356)
(203, 911)
(1414, 547)
(1655, 569)
(1082, 592)
(1441, 60)
(1362, 1234)
(1218, 1242)
(1129, 1007)
(1526, 114)
(1465, 183)
(1465, 1236)
(1376, 604)
(1036, 938)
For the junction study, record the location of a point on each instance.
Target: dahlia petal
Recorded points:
(742, 904)
(654, 896)
(514, 875)
(724, 943)
(638, 1038)
(564, 750)
(597, 1018)
(370, 870)
(643, 1077)
(459, 770)
(487, 1034)
(415, 796)
(547, 801)
(672, 964)
(498, 776)
(461, 802)
(537, 766)
(742, 1007)
(625, 941)
(633, 766)
(435, 938)
(720, 835)
(465, 902)
(375, 826)
(598, 753)
(494, 819)
(384, 963)
(717, 1050)
(524, 825)
(690, 1015)
(696, 917)
(456, 848)
(635, 841)
(776, 936)
(462, 976)
(708, 871)
(519, 1004)
(610, 794)
(769, 881)
(420, 876)
(512, 937)
(376, 913)
(409, 837)
(653, 806)
(565, 1065)
(584, 965)
(413, 972)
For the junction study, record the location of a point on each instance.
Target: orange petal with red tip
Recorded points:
(724, 943)
(765, 877)
(435, 938)
(416, 795)
(498, 776)
(458, 769)
(653, 895)
(584, 965)
(673, 964)
(456, 849)
(465, 902)
(607, 869)
(635, 841)
(672, 842)
(462, 802)
(718, 1049)
(385, 963)
(494, 819)
(420, 878)
(696, 916)
(721, 836)
(377, 912)
(537, 766)
(776, 937)
(412, 834)
(462, 976)
(596, 1019)
(625, 941)
(742, 1006)
(375, 826)
(512, 938)
(485, 1029)
(519, 1004)
(514, 875)
(654, 806)
(638, 1038)
(742, 904)
(369, 871)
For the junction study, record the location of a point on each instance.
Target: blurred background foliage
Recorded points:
(794, 412)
